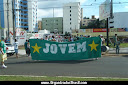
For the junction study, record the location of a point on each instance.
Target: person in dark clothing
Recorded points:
(28, 49)
(117, 46)
(25, 45)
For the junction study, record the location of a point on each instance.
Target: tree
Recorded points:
(95, 24)
(86, 17)
(1, 27)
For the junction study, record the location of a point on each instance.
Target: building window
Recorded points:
(57, 24)
(70, 7)
(70, 23)
(70, 19)
(46, 24)
(46, 20)
(70, 14)
(70, 10)
(83, 24)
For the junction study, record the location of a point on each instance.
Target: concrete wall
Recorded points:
(121, 20)
(53, 23)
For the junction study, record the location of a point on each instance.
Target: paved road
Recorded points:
(113, 66)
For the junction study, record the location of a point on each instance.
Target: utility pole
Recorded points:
(8, 17)
(111, 11)
(53, 12)
(53, 20)
(111, 17)
(14, 35)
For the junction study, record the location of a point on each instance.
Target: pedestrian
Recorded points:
(72, 40)
(102, 40)
(103, 48)
(53, 38)
(59, 39)
(50, 38)
(115, 39)
(117, 46)
(25, 46)
(46, 38)
(6, 40)
(66, 39)
(28, 49)
(69, 39)
(3, 55)
(77, 37)
(16, 47)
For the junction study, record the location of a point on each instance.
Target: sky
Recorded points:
(45, 7)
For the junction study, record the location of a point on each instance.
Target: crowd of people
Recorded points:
(60, 38)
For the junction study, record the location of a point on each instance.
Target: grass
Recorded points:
(123, 45)
(25, 78)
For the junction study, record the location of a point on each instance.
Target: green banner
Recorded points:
(49, 50)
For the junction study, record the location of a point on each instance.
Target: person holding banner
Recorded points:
(3, 55)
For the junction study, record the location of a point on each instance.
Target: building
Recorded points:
(26, 15)
(86, 21)
(119, 21)
(39, 25)
(53, 24)
(81, 16)
(71, 16)
(4, 13)
(32, 15)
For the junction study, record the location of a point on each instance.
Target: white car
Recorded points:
(10, 49)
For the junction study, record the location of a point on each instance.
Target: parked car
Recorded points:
(10, 49)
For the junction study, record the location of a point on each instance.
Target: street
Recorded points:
(106, 66)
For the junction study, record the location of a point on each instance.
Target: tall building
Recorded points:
(26, 15)
(53, 24)
(81, 16)
(71, 16)
(4, 12)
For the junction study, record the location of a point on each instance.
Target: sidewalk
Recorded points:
(112, 52)
(122, 51)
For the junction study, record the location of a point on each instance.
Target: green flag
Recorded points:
(49, 50)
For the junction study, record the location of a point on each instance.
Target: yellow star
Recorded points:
(36, 48)
(93, 46)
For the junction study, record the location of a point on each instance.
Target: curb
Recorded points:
(65, 76)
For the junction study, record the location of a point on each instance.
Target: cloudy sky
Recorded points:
(45, 7)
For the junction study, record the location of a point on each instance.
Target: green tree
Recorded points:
(95, 24)
(86, 17)
(1, 27)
